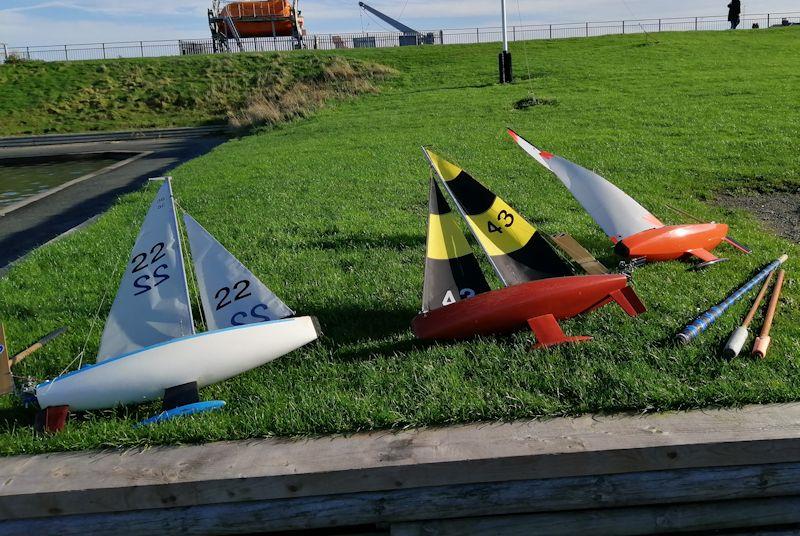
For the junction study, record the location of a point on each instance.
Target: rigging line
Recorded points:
(639, 23)
(403, 10)
(525, 55)
(369, 15)
(80, 355)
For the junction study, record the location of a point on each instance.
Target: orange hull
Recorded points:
(260, 19)
(673, 242)
(511, 308)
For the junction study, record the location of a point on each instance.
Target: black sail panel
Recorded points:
(518, 252)
(452, 272)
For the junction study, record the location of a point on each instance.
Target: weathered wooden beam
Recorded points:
(263, 470)
(703, 517)
(571, 494)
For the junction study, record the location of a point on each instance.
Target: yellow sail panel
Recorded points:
(501, 230)
(445, 239)
(446, 170)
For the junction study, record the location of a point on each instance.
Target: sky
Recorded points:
(32, 22)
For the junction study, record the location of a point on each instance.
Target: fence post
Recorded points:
(551, 31)
(767, 20)
(5, 52)
(695, 24)
(66, 55)
(513, 33)
(478, 34)
(441, 37)
(659, 25)
(141, 48)
(587, 29)
(28, 52)
(104, 50)
(623, 27)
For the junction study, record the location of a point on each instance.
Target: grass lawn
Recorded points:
(330, 213)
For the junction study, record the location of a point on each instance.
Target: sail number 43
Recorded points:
(505, 219)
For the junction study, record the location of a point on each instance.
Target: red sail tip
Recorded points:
(546, 155)
(513, 134)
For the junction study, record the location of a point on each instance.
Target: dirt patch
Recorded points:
(779, 210)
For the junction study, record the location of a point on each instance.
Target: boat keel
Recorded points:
(548, 332)
(180, 395)
(51, 420)
(629, 301)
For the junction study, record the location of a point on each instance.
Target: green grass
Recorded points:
(59, 97)
(330, 213)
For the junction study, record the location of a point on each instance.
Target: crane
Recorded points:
(410, 35)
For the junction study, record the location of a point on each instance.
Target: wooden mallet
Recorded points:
(739, 336)
(762, 341)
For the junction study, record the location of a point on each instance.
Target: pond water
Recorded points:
(21, 180)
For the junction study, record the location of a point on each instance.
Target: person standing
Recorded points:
(734, 11)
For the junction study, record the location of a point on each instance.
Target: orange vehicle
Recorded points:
(255, 18)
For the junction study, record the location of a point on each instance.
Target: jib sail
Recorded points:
(451, 269)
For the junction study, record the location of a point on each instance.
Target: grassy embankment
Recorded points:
(330, 213)
(241, 89)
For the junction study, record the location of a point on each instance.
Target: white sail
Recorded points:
(152, 303)
(615, 212)
(230, 293)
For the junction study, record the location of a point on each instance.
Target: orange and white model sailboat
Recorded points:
(635, 232)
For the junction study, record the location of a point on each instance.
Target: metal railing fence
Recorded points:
(141, 49)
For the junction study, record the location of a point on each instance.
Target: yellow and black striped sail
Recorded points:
(451, 269)
(516, 250)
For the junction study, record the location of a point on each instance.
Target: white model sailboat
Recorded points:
(149, 348)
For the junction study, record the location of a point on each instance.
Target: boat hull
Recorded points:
(205, 358)
(672, 241)
(510, 308)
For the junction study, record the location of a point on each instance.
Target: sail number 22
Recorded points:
(228, 295)
(145, 283)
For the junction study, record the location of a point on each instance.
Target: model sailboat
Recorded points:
(149, 348)
(635, 232)
(540, 288)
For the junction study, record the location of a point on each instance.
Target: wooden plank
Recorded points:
(549, 495)
(79, 483)
(622, 521)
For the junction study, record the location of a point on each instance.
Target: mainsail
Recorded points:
(152, 303)
(231, 295)
(516, 250)
(614, 211)
(452, 272)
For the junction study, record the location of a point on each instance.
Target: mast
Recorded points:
(180, 249)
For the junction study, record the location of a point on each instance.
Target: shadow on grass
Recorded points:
(360, 242)
(16, 417)
(350, 324)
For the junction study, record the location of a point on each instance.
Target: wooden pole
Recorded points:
(35, 346)
(6, 380)
(757, 303)
(762, 341)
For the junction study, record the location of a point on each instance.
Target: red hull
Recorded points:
(511, 308)
(674, 242)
